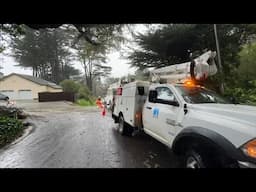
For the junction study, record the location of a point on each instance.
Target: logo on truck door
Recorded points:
(155, 112)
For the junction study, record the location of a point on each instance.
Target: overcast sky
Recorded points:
(119, 65)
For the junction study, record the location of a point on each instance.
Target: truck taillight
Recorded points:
(119, 91)
(138, 115)
(138, 120)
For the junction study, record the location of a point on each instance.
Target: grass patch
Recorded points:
(85, 103)
(10, 129)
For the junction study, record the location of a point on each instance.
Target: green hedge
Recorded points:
(10, 129)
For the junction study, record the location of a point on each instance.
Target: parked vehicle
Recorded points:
(3, 97)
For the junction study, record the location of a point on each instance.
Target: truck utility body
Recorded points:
(196, 123)
(131, 102)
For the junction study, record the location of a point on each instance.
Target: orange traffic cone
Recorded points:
(103, 111)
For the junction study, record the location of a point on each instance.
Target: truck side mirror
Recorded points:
(152, 96)
(141, 91)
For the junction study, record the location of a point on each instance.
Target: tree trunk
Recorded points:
(90, 75)
(85, 71)
(90, 82)
(36, 72)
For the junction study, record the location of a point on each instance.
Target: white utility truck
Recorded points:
(196, 123)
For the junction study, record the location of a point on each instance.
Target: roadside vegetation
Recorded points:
(10, 129)
(245, 94)
(11, 126)
(83, 95)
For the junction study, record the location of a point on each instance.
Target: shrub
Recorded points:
(70, 86)
(243, 94)
(81, 91)
(12, 112)
(84, 93)
(9, 130)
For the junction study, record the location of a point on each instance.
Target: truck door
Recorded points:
(165, 112)
(150, 118)
(169, 109)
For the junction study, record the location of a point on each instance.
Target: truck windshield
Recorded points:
(200, 95)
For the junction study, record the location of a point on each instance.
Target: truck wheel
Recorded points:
(123, 128)
(194, 160)
(121, 125)
(207, 158)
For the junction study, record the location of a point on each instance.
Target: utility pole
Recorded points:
(219, 59)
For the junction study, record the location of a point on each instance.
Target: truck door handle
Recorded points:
(149, 108)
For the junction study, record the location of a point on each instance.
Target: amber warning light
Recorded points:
(189, 83)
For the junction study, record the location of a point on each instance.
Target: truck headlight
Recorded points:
(249, 148)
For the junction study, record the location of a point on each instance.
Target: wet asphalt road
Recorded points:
(67, 136)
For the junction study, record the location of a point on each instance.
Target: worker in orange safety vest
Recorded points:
(99, 103)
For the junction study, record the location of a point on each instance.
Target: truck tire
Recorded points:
(194, 160)
(123, 128)
(121, 125)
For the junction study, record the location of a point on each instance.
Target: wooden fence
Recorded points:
(56, 96)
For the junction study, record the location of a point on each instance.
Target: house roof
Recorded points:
(35, 80)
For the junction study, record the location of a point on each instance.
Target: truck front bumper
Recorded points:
(246, 164)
